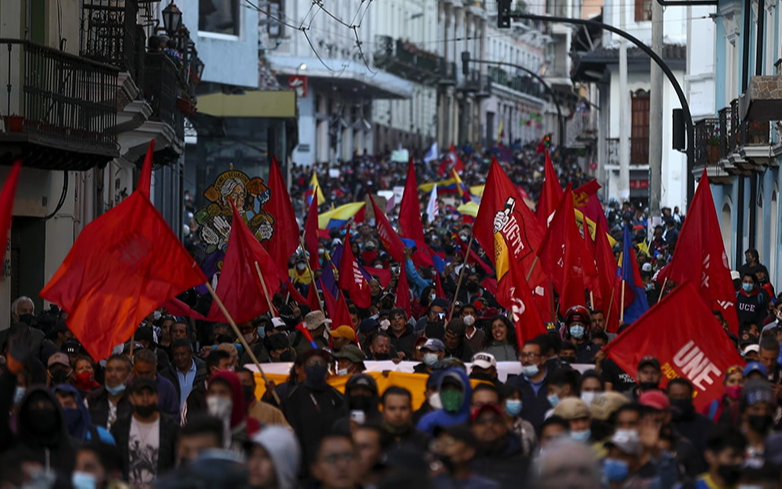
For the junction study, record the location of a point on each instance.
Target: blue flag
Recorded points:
(635, 295)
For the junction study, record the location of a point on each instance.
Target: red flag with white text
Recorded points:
(550, 195)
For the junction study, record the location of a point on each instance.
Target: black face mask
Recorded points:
(61, 377)
(648, 386)
(249, 393)
(360, 403)
(44, 421)
(730, 474)
(27, 319)
(473, 287)
(682, 409)
(760, 423)
(482, 376)
(145, 411)
(315, 376)
(568, 359)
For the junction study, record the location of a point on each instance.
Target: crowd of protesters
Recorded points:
(177, 406)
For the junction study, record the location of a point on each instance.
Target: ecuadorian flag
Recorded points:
(313, 189)
(337, 218)
(460, 188)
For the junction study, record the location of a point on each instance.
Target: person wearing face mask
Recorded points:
(685, 420)
(648, 377)
(509, 399)
(312, 406)
(473, 336)
(500, 456)
(562, 384)
(757, 407)
(97, 467)
(146, 441)
(577, 414)
(264, 413)
(576, 329)
(77, 418)
(433, 351)
(472, 291)
(217, 361)
(225, 400)
(59, 370)
(532, 383)
(501, 340)
(110, 402)
(350, 360)
(590, 385)
(622, 468)
(249, 331)
(300, 275)
(362, 399)
(454, 394)
(726, 409)
(751, 302)
(724, 454)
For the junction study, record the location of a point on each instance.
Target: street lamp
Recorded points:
(172, 18)
(302, 67)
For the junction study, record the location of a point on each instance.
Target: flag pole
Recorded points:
(592, 299)
(312, 275)
(662, 291)
(622, 304)
(532, 267)
(265, 290)
(241, 339)
(461, 276)
(610, 306)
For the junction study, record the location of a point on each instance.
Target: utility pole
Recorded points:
(656, 119)
(623, 186)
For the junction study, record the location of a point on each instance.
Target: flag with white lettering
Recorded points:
(687, 339)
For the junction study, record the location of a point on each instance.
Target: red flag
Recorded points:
(175, 307)
(7, 205)
(607, 276)
(589, 260)
(342, 317)
(438, 286)
(351, 280)
(560, 254)
(586, 200)
(239, 286)
(700, 256)
(388, 237)
(285, 234)
(330, 303)
(312, 295)
(410, 224)
(124, 265)
(403, 298)
(291, 289)
(311, 237)
(513, 292)
(145, 178)
(383, 275)
(687, 339)
(550, 195)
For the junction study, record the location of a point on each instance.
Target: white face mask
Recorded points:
(430, 359)
(589, 397)
(219, 407)
(468, 320)
(435, 402)
(384, 324)
(342, 371)
(301, 266)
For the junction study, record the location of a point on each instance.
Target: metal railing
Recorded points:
(110, 34)
(62, 99)
(406, 59)
(707, 142)
(639, 151)
(161, 89)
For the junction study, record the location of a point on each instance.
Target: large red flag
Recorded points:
(700, 256)
(239, 286)
(175, 307)
(124, 265)
(388, 237)
(7, 205)
(514, 293)
(410, 224)
(285, 234)
(586, 200)
(561, 254)
(550, 195)
(589, 260)
(351, 280)
(609, 301)
(403, 298)
(687, 339)
(311, 237)
(312, 295)
(337, 309)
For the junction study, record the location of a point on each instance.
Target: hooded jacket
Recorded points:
(241, 427)
(53, 447)
(282, 447)
(440, 418)
(371, 409)
(404, 343)
(79, 424)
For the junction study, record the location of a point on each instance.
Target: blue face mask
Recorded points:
(18, 394)
(116, 390)
(748, 287)
(581, 436)
(615, 470)
(577, 331)
(513, 407)
(83, 480)
(553, 400)
(529, 370)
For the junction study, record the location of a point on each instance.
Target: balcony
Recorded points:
(639, 151)
(523, 84)
(405, 59)
(763, 99)
(59, 110)
(476, 83)
(746, 144)
(163, 84)
(110, 35)
(710, 152)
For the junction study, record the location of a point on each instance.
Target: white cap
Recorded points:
(484, 360)
(646, 267)
(734, 275)
(278, 323)
(751, 348)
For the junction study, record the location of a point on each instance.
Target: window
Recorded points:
(639, 131)
(274, 26)
(643, 10)
(219, 16)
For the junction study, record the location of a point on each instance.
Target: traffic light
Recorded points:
(679, 132)
(503, 14)
(466, 63)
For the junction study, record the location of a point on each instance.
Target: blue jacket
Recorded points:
(533, 406)
(441, 418)
(79, 424)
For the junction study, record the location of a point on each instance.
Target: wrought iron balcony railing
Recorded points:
(639, 151)
(110, 34)
(162, 88)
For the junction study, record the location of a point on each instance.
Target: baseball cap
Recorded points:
(350, 352)
(141, 383)
(627, 441)
(757, 391)
(655, 399)
(433, 344)
(606, 404)
(71, 347)
(343, 332)
(58, 358)
(735, 275)
(646, 267)
(314, 319)
(484, 360)
(571, 408)
(278, 323)
(755, 367)
(484, 407)
(649, 360)
(750, 348)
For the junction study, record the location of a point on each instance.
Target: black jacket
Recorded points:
(166, 457)
(200, 377)
(98, 404)
(505, 464)
(404, 343)
(534, 406)
(312, 413)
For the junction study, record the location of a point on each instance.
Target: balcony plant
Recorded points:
(713, 149)
(13, 123)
